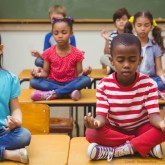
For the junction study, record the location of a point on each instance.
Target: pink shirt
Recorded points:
(62, 69)
(127, 107)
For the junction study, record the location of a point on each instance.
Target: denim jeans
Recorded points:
(14, 139)
(61, 88)
(160, 84)
(39, 62)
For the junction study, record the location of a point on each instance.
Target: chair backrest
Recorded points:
(35, 117)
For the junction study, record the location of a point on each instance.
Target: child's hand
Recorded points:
(35, 53)
(1, 49)
(90, 122)
(104, 34)
(163, 77)
(36, 73)
(162, 125)
(11, 123)
(87, 71)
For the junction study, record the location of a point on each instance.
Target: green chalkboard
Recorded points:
(79, 9)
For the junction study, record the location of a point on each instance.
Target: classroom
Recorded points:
(22, 28)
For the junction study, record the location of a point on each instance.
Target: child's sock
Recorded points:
(75, 95)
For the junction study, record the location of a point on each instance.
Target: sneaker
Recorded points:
(108, 70)
(75, 95)
(96, 152)
(23, 155)
(157, 152)
(125, 149)
(38, 95)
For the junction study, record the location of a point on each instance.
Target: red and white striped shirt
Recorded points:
(127, 107)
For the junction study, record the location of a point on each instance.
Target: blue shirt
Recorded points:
(151, 52)
(9, 89)
(50, 41)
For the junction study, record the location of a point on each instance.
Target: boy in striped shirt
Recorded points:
(127, 110)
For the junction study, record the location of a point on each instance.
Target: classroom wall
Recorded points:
(18, 45)
(19, 40)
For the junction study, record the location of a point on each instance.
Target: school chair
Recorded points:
(44, 148)
(54, 125)
(35, 117)
(61, 125)
(78, 156)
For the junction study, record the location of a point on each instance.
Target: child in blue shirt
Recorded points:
(13, 138)
(143, 24)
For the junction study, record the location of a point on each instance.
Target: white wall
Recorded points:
(17, 54)
(20, 39)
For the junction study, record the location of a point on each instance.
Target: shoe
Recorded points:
(38, 95)
(123, 150)
(75, 95)
(96, 152)
(157, 151)
(108, 70)
(23, 155)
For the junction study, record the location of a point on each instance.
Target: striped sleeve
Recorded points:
(151, 103)
(102, 105)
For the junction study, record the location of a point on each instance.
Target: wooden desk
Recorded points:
(25, 75)
(161, 103)
(97, 74)
(78, 150)
(46, 150)
(87, 100)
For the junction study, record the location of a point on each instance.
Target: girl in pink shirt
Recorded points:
(62, 73)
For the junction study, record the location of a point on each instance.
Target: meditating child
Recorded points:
(62, 74)
(13, 138)
(127, 110)
(55, 11)
(120, 18)
(152, 49)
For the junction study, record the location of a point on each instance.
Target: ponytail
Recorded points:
(156, 31)
(128, 28)
(157, 37)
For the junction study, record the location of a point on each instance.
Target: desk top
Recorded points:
(98, 74)
(25, 74)
(78, 149)
(46, 149)
(161, 102)
(88, 97)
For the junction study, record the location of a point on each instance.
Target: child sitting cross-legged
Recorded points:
(62, 73)
(127, 111)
